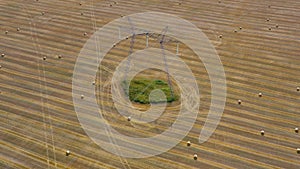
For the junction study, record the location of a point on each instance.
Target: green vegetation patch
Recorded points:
(140, 89)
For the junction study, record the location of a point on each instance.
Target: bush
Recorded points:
(140, 89)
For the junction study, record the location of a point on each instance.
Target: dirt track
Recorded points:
(37, 117)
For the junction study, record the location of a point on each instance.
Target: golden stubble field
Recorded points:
(37, 117)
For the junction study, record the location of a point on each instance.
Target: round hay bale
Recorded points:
(2, 55)
(6, 32)
(262, 132)
(68, 152)
(85, 34)
(195, 156)
(188, 143)
(260, 94)
(18, 29)
(239, 101)
(93, 83)
(220, 36)
(59, 56)
(44, 58)
(241, 28)
(129, 118)
(298, 89)
(298, 150)
(82, 96)
(296, 130)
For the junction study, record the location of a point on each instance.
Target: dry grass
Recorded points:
(37, 118)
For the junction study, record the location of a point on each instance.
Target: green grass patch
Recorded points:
(140, 89)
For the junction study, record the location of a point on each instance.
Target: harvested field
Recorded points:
(258, 43)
